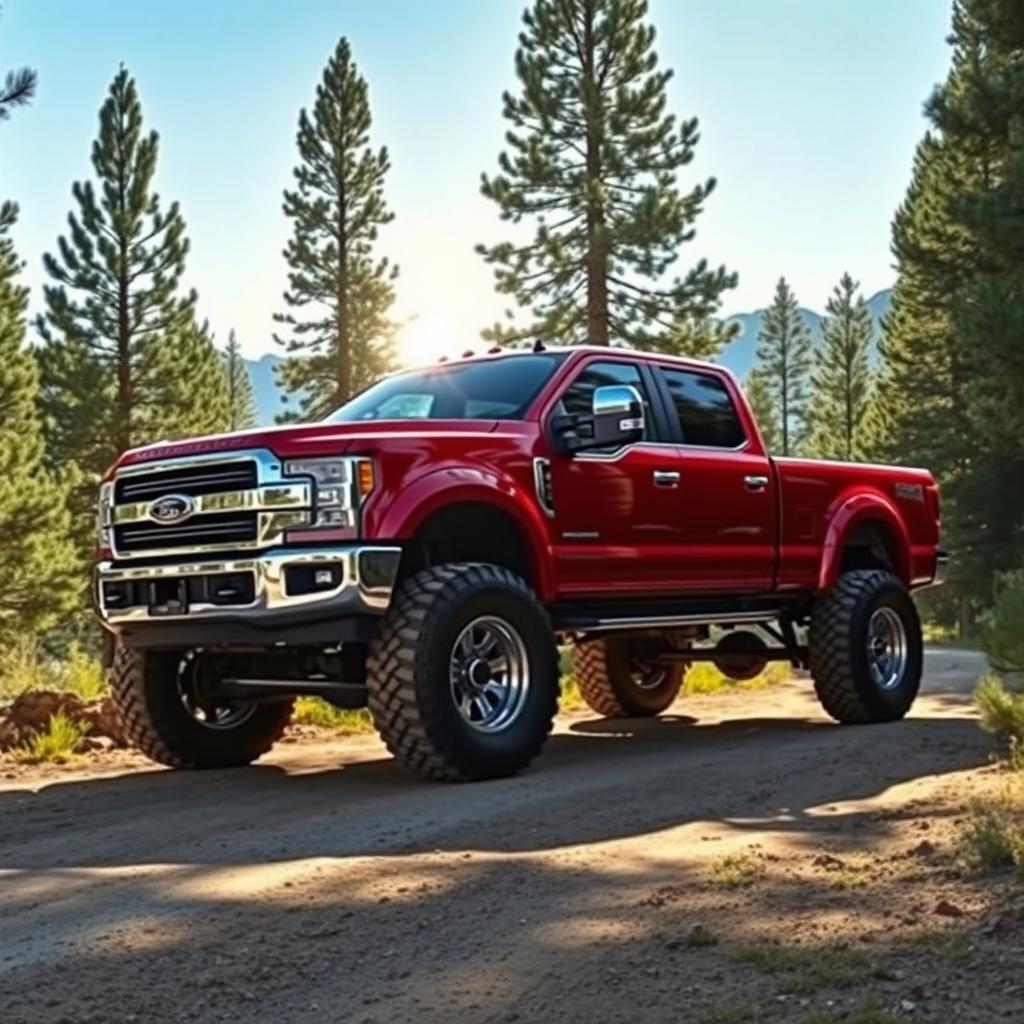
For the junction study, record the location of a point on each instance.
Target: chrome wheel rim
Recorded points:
(887, 648)
(195, 675)
(489, 675)
(647, 675)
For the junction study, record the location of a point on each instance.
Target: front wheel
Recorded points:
(462, 676)
(866, 650)
(622, 677)
(167, 706)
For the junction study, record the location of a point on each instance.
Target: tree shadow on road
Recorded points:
(598, 782)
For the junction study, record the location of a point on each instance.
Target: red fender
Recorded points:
(457, 484)
(851, 512)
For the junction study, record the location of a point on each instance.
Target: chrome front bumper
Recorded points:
(273, 588)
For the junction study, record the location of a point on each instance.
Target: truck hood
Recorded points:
(310, 439)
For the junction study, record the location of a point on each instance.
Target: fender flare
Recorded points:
(849, 513)
(454, 485)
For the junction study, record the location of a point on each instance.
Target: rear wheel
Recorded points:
(463, 673)
(165, 701)
(620, 677)
(865, 648)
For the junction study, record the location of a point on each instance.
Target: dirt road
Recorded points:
(326, 885)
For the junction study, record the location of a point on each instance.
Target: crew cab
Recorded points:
(425, 549)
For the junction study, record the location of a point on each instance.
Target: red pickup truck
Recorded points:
(424, 549)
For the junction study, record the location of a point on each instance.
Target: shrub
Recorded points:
(21, 669)
(1002, 634)
(25, 666)
(314, 711)
(994, 835)
(82, 674)
(1001, 709)
(57, 743)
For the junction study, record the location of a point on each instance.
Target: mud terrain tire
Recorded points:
(155, 719)
(423, 703)
(869, 611)
(605, 674)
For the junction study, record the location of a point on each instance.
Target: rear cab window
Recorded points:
(704, 407)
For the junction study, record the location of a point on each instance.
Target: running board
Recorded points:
(590, 616)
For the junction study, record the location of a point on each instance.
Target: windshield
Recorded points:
(492, 389)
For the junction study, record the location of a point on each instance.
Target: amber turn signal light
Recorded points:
(367, 477)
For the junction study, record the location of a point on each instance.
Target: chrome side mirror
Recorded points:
(616, 418)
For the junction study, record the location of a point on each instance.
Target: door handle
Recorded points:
(666, 477)
(755, 483)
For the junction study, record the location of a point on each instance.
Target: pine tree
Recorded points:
(766, 412)
(784, 359)
(193, 366)
(345, 339)
(979, 115)
(115, 315)
(955, 340)
(841, 396)
(37, 561)
(241, 402)
(593, 160)
(18, 89)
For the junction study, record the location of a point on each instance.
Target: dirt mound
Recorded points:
(30, 712)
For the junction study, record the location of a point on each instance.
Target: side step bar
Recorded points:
(584, 622)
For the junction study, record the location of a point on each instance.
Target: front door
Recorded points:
(617, 526)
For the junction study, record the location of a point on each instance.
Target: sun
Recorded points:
(426, 337)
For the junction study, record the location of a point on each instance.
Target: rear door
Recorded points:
(726, 494)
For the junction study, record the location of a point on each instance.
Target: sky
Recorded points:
(809, 112)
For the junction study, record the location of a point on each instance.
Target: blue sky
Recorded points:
(809, 110)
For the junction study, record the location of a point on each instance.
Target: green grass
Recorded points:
(948, 943)
(570, 698)
(700, 937)
(736, 869)
(56, 744)
(314, 711)
(702, 677)
(865, 1013)
(730, 1013)
(936, 634)
(803, 971)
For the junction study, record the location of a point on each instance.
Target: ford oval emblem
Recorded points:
(171, 509)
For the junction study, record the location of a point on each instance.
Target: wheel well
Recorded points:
(469, 532)
(870, 545)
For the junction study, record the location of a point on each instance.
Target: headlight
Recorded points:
(103, 516)
(341, 485)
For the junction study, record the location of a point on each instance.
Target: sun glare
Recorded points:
(427, 337)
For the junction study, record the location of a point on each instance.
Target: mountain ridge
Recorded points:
(738, 355)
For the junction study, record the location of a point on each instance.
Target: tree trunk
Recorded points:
(597, 244)
(343, 362)
(125, 388)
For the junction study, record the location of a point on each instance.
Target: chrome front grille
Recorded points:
(232, 476)
(239, 503)
(229, 528)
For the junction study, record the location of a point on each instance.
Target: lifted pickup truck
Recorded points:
(423, 549)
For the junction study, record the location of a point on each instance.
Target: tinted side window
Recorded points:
(579, 397)
(707, 415)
